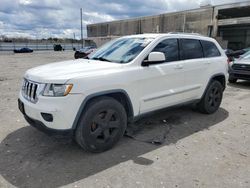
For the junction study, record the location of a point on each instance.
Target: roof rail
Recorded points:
(198, 34)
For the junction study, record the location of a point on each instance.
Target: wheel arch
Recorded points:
(219, 77)
(119, 95)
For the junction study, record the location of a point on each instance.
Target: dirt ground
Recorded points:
(199, 151)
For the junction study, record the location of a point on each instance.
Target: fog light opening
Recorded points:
(47, 117)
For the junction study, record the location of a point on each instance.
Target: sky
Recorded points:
(61, 18)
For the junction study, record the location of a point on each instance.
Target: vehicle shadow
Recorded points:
(241, 84)
(30, 158)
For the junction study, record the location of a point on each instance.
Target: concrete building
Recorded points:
(229, 24)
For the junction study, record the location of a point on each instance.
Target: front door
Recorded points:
(163, 83)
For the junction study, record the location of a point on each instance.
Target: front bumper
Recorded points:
(63, 110)
(51, 132)
(239, 74)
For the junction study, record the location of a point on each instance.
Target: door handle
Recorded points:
(179, 67)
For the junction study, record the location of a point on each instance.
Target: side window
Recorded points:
(190, 49)
(210, 49)
(170, 48)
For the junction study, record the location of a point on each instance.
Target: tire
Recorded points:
(232, 80)
(212, 98)
(101, 125)
(76, 55)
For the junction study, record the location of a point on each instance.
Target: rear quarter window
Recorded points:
(210, 49)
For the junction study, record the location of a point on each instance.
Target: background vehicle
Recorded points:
(94, 99)
(240, 68)
(239, 53)
(23, 50)
(58, 47)
(84, 52)
(230, 54)
(235, 54)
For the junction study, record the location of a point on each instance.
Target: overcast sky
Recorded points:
(60, 18)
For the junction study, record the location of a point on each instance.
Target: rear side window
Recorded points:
(210, 49)
(170, 48)
(190, 49)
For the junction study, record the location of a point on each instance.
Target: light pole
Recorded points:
(81, 28)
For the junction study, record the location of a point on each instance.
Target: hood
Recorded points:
(63, 71)
(242, 61)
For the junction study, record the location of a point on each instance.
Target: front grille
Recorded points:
(29, 90)
(244, 67)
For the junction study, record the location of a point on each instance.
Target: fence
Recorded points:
(10, 46)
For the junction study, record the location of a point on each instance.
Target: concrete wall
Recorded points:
(98, 41)
(205, 21)
(199, 21)
(188, 21)
(150, 24)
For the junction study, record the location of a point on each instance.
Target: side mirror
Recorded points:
(154, 58)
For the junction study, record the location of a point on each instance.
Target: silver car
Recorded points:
(240, 68)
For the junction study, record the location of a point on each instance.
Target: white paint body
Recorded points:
(149, 88)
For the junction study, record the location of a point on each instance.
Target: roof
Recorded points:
(172, 34)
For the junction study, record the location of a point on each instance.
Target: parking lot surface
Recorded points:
(199, 150)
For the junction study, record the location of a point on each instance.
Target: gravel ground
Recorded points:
(199, 151)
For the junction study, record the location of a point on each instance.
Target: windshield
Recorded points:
(246, 55)
(121, 50)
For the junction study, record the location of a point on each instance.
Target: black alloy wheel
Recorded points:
(101, 125)
(212, 98)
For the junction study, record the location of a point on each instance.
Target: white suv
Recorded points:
(94, 99)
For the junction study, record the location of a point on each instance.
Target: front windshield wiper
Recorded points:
(101, 59)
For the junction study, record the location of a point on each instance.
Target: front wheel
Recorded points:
(76, 55)
(212, 98)
(101, 125)
(232, 80)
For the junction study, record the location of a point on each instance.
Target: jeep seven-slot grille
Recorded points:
(244, 67)
(29, 90)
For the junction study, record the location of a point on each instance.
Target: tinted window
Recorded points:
(210, 49)
(190, 49)
(170, 48)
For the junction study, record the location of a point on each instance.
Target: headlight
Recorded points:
(57, 90)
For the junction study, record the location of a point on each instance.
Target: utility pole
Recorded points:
(81, 28)
(73, 40)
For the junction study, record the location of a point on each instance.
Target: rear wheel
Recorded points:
(212, 99)
(101, 125)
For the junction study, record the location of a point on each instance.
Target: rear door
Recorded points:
(196, 67)
(212, 55)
